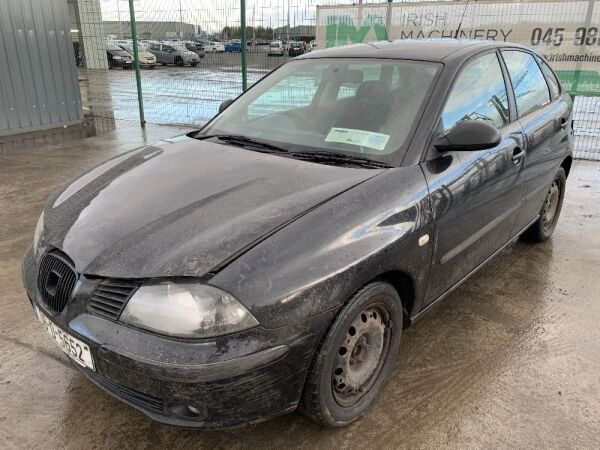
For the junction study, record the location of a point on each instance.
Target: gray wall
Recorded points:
(38, 78)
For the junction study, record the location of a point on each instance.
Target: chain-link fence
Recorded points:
(190, 55)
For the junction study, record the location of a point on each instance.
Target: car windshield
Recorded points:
(357, 107)
(129, 48)
(113, 47)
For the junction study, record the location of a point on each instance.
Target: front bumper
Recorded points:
(221, 382)
(124, 63)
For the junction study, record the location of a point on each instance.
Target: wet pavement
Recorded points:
(510, 360)
(172, 95)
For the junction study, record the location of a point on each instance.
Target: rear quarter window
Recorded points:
(553, 82)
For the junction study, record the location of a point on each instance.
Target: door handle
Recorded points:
(518, 154)
(562, 122)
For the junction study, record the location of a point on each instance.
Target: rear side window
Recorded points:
(531, 90)
(479, 93)
(553, 82)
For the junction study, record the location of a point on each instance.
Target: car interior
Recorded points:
(385, 100)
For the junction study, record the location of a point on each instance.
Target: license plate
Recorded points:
(74, 348)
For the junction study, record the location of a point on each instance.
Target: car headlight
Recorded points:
(117, 57)
(39, 228)
(186, 310)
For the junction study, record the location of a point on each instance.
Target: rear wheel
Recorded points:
(543, 228)
(356, 357)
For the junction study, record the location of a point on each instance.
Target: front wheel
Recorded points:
(542, 229)
(356, 357)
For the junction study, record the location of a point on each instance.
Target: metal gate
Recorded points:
(181, 93)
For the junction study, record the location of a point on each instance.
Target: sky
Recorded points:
(213, 15)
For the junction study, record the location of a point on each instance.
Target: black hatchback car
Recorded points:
(117, 57)
(271, 260)
(296, 49)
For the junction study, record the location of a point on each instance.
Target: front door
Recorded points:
(475, 195)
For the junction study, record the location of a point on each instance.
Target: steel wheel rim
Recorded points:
(361, 355)
(551, 205)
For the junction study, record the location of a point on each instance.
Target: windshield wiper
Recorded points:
(244, 141)
(339, 158)
(318, 156)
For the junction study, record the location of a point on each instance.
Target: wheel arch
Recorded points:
(405, 286)
(566, 164)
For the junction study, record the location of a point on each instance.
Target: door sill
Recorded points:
(467, 276)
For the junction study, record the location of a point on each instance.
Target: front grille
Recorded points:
(110, 296)
(56, 280)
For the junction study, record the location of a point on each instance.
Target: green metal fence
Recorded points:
(179, 91)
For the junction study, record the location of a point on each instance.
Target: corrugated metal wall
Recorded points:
(38, 79)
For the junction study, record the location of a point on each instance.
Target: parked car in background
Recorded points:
(194, 48)
(276, 48)
(214, 47)
(233, 46)
(117, 57)
(296, 49)
(147, 59)
(173, 53)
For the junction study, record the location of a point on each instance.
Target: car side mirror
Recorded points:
(225, 104)
(469, 135)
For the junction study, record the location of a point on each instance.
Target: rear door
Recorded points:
(544, 114)
(475, 194)
(169, 54)
(156, 51)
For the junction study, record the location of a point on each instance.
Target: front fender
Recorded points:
(317, 262)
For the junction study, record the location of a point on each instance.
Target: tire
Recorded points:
(178, 61)
(193, 64)
(343, 382)
(542, 229)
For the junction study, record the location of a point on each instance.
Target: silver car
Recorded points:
(173, 54)
(147, 59)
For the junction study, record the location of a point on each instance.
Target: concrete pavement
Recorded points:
(510, 360)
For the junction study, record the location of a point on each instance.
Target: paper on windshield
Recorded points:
(362, 138)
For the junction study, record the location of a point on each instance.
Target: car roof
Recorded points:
(415, 49)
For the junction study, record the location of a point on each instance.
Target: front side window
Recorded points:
(479, 93)
(529, 85)
(340, 105)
